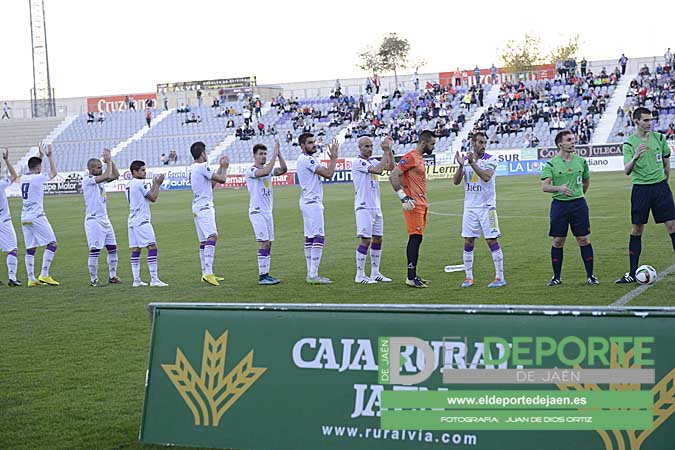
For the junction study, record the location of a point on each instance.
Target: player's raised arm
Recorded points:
(115, 172)
(105, 176)
(327, 172)
(283, 168)
(52, 166)
(484, 174)
(12, 173)
(154, 190)
(267, 168)
(459, 173)
(387, 161)
(221, 174)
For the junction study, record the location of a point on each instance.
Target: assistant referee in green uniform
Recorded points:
(646, 157)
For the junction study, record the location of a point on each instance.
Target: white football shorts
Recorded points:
(37, 232)
(312, 216)
(263, 225)
(141, 235)
(369, 222)
(99, 232)
(7, 236)
(205, 223)
(476, 220)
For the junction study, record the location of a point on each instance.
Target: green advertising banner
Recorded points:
(298, 377)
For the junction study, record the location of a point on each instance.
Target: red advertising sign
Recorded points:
(341, 164)
(239, 181)
(468, 77)
(118, 102)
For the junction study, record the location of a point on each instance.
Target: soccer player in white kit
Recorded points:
(259, 184)
(37, 231)
(310, 172)
(7, 234)
(369, 220)
(203, 179)
(141, 233)
(97, 225)
(477, 168)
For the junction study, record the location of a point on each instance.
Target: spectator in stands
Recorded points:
(90, 117)
(166, 102)
(5, 110)
(101, 117)
(163, 160)
(670, 131)
(369, 86)
(583, 66)
(622, 62)
(481, 94)
(493, 74)
(131, 104)
(148, 116)
(247, 115)
(230, 123)
(221, 113)
(173, 157)
(261, 128)
(376, 83)
(149, 103)
(476, 74)
(216, 103)
(289, 136)
(668, 58)
(199, 98)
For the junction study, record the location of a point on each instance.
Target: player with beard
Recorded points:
(310, 172)
(567, 177)
(477, 169)
(409, 181)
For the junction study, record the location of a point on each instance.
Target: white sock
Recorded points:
(498, 259)
(361, 261)
(93, 263)
(209, 254)
(30, 265)
(112, 263)
(375, 255)
(136, 265)
(47, 259)
(201, 256)
(317, 251)
(308, 254)
(468, 264)
(12, 263)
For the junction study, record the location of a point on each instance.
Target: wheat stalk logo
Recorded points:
(210, 394)
(664, 402)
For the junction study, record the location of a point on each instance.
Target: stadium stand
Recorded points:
(528, 114)
(654, 88)
(19, 135)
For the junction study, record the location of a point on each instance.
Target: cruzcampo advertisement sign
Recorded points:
(347, 377)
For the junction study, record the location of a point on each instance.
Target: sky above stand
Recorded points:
(124, 46)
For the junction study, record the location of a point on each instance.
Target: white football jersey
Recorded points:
(94, 197)
(200, 179)
(366, 184)
(4, 206)
(260, 191)
(310, 182)
(139, 205)
(32, 193)
(478, 193)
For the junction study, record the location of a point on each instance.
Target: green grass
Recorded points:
(74, 358)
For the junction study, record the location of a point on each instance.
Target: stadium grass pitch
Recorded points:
(74, 357)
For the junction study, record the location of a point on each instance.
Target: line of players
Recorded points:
(566, 176)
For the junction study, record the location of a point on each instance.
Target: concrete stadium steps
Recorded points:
(20, 135)
(607, 121)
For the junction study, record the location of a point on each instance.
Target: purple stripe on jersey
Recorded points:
(362, 249)
(494, 246)
(376, 246)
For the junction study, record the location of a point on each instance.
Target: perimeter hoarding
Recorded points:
(292, 377)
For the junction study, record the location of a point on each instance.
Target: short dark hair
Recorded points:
(303, 138)
(479, 133)
(34, 162)
(561, 134)
(136, 166)
(639, 112)
(92, 161)
(197, 149)
(258, 147)
(426, 136)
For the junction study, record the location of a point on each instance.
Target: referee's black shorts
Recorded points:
(569, 214)
(656, 198)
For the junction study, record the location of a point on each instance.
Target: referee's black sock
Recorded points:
(413, 253)
(556, 261)
(634, 250)
(672, 238)
(587, 256)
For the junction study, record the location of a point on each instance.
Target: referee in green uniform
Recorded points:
(646, 157)
(567, 177)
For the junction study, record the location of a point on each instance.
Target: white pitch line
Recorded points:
(639, 290)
